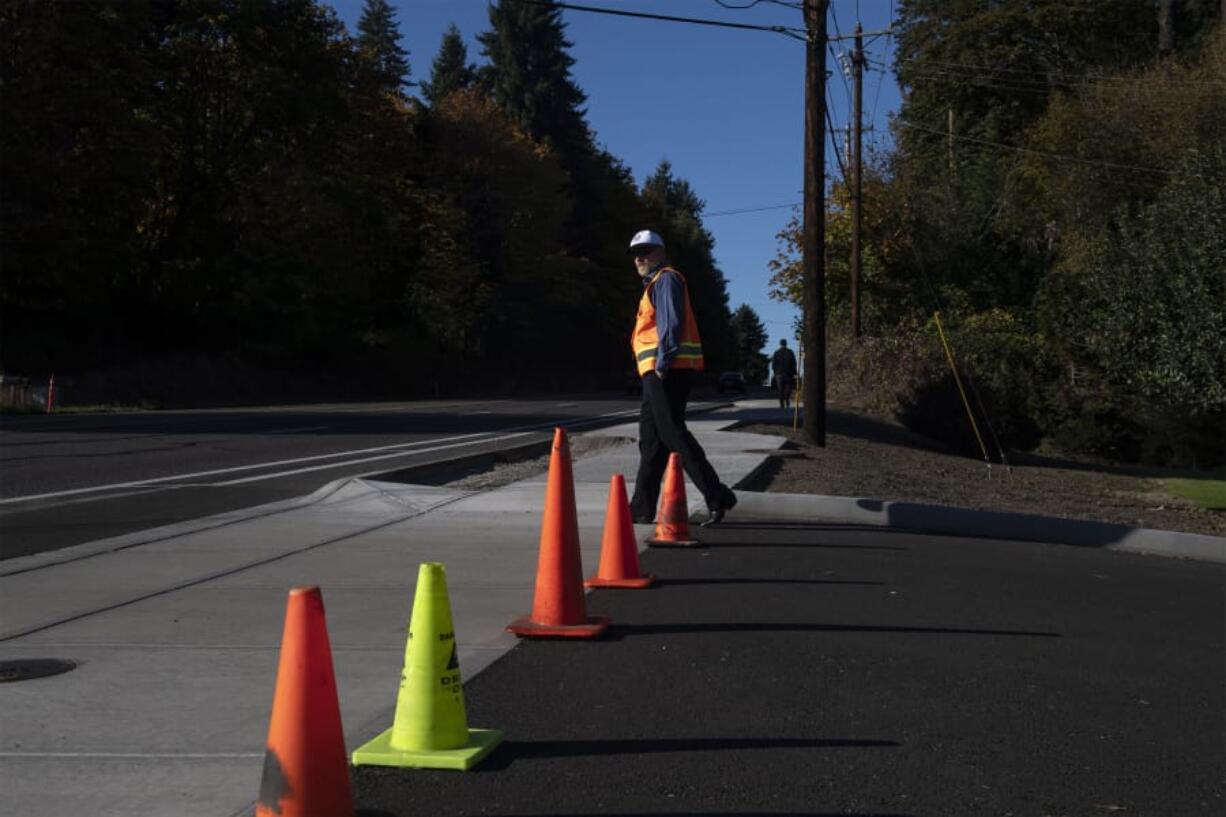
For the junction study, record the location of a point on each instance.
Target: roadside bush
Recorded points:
(907, 376)
(1135, 312)
(870, 375)
(1002, 369)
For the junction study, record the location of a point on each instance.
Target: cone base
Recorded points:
(672, 543)
(379, 752)
(635, 582)
(525, 627)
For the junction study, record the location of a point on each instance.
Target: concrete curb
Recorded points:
(941, 519)
(426, 473)
(49, 558)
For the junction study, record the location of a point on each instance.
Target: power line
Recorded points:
(1044, 80)
(941, 75)
(832, 128)
(1076, 78)
(881, 81)
(750, 5)
(1059, 156)
(869, 35)
(837, 155)
(747, 210)
(789, 31)
(838, 35)
(1002, 85)
(838, 59)
(834, 16)
(744, 210)
(986, 83)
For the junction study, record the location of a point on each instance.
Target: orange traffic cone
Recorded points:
(673, 520)
(619, 550)
(306, 772)
(558, 609)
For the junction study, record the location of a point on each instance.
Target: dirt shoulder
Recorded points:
(872, 457)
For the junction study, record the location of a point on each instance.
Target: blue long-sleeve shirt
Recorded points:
(668, 297)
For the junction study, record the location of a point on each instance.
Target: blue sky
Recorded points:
(724, 106)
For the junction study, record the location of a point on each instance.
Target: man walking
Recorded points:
(783, 364)
(667, 352)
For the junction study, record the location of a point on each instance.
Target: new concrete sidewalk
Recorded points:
(176, 631)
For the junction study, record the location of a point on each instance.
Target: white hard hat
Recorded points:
(646, 238)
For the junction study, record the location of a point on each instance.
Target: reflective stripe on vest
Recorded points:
(645, 340)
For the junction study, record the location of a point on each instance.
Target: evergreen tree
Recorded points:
(675, 207)
(451, 71)
(75, 141)
(529, 77)
(750, 341)
(379, 40)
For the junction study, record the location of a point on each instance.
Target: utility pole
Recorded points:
(813, 239)
(857, 96)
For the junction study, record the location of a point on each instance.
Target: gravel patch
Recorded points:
(506, 472)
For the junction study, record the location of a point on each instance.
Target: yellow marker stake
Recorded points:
(953, 366)
(796, 397)
(430, 730)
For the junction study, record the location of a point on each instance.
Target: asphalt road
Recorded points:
(68, 479)
(821, 671)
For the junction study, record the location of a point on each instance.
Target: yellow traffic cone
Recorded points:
(430, 730)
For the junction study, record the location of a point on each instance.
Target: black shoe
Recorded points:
(727, 501)
(640, 519)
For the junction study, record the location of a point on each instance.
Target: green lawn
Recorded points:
(1208, 493)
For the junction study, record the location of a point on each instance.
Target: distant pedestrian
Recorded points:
(783, 364)
(667, 351)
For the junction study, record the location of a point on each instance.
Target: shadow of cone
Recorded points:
(430, 728)
(305, 770)
(673, 521)
(558, 608)
(619, 550)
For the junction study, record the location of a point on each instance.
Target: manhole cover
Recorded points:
(25, 669)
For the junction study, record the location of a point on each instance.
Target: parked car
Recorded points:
(731, 381)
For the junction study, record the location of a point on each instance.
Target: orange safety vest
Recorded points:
(645, 339)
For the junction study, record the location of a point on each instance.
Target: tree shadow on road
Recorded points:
(510, 751)
(617, 632)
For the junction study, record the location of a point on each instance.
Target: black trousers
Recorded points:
(785, 384)
(661, 431)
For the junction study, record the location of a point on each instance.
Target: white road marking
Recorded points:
(397, 450)
(144, 755)
(326, 466)
(508, 434)
(155, 480)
